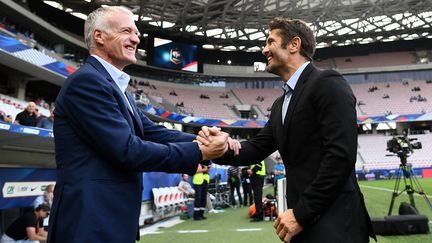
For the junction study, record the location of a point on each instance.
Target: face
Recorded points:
(44, 214)
(119, 43)
(31, 107)
(41, 214)
(277, 56)
(8, 119)
(185, 177)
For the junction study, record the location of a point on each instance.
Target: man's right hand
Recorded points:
(215, 149)
(205, 137)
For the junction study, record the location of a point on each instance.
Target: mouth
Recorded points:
(269, 58)
(130, 48)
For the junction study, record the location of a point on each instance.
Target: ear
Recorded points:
(294, 45)
(97, 36)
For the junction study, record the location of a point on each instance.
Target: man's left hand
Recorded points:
(287, 226)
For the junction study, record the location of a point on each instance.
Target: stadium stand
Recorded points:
(263, 98)
(372, 148)
(375, 60)
(214, 106)
(399, 99)
(12, 106)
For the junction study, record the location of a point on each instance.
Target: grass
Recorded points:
(222, 226)
(378, 202)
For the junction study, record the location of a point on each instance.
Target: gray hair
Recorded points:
(97, 20)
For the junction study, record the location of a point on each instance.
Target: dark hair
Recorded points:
(290, 28)
(44, 207)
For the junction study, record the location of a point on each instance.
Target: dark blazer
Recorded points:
(101, 148)
(318, 144)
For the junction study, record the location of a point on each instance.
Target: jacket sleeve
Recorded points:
(254, 150)
(161, 134)
(334, 104)
(94, 113)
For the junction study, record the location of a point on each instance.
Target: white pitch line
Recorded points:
(152, 233)
(192, 231)
(246, 230)
(390, 190)
(153, 229)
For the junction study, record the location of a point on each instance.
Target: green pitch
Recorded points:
(233, 226)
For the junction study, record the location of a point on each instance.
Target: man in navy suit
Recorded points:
(103, 141)
(313, 126)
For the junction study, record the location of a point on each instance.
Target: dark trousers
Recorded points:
(233, 187)
(200, 199)
(247, 194)
(257, 187)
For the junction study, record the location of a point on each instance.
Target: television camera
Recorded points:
(402, 144)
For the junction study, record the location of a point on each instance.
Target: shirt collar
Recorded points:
(120, 78)
(294, 78)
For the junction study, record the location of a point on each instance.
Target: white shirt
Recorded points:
(120, 78)
(292, 82)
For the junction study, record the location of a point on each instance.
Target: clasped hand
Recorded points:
(214, 143)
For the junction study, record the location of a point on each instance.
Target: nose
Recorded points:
(265, 50)
(135, 39)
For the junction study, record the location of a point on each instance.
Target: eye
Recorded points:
(126, 31)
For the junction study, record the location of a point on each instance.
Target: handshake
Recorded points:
(213, 143)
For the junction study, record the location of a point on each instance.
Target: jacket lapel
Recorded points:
(277, 118)
(135, 113)
(298, 90)
(123, 104)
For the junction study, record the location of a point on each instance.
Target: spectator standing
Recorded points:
(28, 116)
(247, 186)
(279, 172)
(200, 186)
(234, 183)
(258, 173)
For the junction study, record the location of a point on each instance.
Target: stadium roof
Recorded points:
(242, 24)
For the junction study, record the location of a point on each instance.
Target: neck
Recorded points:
(105, 57)
(291, 68)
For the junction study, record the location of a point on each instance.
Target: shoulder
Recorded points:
(326, 79)
(86, 78)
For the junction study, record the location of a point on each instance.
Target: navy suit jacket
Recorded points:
(318, 145)
(101, 149)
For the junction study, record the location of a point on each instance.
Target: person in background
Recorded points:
(234, 183)
(257, 173)
(186, 187)
(46, 198)
(39, 116)
(8, 119)
(28, 116)
(47, 122)
(279, 172)
(200, 186)
(27, 228)
(247, 186)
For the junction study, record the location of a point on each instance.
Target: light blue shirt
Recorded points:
(292, 82)
(120, 78)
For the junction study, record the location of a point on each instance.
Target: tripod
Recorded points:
(221, 198)
(412, 185)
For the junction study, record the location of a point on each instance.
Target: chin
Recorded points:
(269, 69)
